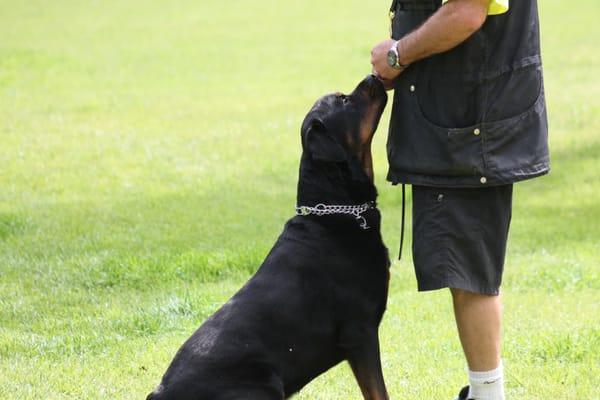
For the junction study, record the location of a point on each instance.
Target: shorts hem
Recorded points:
(457, 284)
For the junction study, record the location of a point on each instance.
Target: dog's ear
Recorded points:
(321, 145)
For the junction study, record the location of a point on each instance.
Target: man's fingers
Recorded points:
(384, 76)
(388, 84)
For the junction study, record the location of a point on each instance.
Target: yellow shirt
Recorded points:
(496, 6)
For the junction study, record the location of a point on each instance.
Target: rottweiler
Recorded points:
(320, 294)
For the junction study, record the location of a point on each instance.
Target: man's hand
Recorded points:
(381, 68)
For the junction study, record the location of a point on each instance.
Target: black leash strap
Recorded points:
(402, 227)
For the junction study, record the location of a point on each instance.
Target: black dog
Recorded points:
(319, 296)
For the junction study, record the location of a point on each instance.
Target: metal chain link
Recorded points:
(354, 210)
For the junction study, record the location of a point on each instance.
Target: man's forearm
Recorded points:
(451, 25)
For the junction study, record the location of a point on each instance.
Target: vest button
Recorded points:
(483, 180)
(476, 132)
(412, 88)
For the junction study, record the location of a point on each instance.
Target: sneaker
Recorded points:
(463, 394)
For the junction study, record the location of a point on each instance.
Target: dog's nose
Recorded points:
(374, 84)
(372, 79)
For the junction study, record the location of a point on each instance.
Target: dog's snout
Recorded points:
(372, 87)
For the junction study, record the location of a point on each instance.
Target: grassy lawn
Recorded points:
(148, 161)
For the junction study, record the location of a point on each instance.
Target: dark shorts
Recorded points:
(459, 237)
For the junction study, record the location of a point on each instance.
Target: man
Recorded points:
(468, 120)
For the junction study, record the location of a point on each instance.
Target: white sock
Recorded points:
(487, 385)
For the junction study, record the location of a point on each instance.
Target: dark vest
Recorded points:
(473, 116)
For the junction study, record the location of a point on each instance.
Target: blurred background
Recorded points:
(148, 160)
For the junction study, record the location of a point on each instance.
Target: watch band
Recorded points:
(394, 49)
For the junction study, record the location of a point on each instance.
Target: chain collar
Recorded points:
(354, 210)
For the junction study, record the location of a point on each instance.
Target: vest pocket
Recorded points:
(516, 123)
(519, 143)
(450, 151)
(513, 93)
(495, 129)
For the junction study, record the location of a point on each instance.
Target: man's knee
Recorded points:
(461, 296)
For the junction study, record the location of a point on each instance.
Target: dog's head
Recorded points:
(339, 128)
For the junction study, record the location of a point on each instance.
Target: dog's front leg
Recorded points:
(365, 361)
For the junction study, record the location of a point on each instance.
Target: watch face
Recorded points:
(391, 58)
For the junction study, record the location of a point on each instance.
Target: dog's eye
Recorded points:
(345, 99)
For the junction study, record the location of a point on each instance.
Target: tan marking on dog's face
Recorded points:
(368, 124)
(367, 163)
(366, 132)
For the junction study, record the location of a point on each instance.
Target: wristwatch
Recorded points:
(393, 57)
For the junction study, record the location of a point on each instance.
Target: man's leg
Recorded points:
(459, 241)
(479, 322)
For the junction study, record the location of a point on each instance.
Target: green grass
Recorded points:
(149, 153)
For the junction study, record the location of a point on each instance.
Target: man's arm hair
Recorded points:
(448, 27)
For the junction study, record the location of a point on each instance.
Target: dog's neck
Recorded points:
(331, 184)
